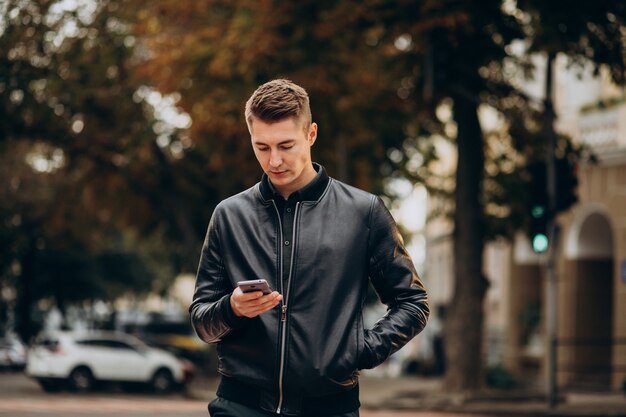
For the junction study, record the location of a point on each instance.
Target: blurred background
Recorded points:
(481, 123)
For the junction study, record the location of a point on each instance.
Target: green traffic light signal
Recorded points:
(537, 211)
(540, 243)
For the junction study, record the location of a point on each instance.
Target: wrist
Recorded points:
(236, 312)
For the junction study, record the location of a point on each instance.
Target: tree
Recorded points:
(217, 53)
(460, 55)
(77, 151)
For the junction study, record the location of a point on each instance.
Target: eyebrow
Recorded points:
(283, 142)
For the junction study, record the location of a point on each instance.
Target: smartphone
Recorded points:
(255, 285)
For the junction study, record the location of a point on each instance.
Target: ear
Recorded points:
(312, 135)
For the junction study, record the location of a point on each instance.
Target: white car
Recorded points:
(79, 360)
(12, 354)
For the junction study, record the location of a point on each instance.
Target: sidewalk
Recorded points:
(425, 394)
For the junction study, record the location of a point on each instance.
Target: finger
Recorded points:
(249, 296)
(254, 303)
(255, 310)
(239, 301)
(270, 302)
(261, 299)
(257, 306)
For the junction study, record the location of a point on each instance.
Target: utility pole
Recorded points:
(553, 234)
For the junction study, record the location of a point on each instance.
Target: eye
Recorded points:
(286, 147)
(262, 149)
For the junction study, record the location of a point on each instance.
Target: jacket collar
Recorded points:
(310, 192)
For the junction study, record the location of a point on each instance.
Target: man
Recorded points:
(298, 349)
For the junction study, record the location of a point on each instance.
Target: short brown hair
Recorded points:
(277, 100)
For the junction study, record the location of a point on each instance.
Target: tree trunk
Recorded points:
(464, 319)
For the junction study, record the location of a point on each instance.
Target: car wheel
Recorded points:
(162, 381)
(49, 386)
(81, 379)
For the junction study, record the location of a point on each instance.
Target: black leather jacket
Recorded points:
(312, 345)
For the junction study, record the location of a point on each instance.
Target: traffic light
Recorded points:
(539, 229)
(539, 213)
(538, 207)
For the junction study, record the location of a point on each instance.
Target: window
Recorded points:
(106, 343)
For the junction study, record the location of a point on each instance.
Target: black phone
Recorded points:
(255, 285)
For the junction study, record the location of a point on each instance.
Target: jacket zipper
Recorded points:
(283, 314)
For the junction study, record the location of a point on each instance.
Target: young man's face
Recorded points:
(283, 149)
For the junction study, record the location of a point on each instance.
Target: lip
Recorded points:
(278, 173)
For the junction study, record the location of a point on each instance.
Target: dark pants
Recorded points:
(221, 407)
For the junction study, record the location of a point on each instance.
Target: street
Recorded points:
(22, 397)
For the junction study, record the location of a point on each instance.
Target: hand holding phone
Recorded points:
(254, 297)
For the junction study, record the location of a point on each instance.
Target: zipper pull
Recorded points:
(283, 315)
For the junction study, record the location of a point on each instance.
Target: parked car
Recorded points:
(170, 331)
(12, 354)
(80, 360)
(175, 336)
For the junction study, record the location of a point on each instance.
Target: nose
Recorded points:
(275, 159)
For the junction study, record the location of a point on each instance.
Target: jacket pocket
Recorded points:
(344, 371)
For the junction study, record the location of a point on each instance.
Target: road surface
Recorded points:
(22, 397)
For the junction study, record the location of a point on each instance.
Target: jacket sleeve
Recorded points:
(212, 316)
(397, 284)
